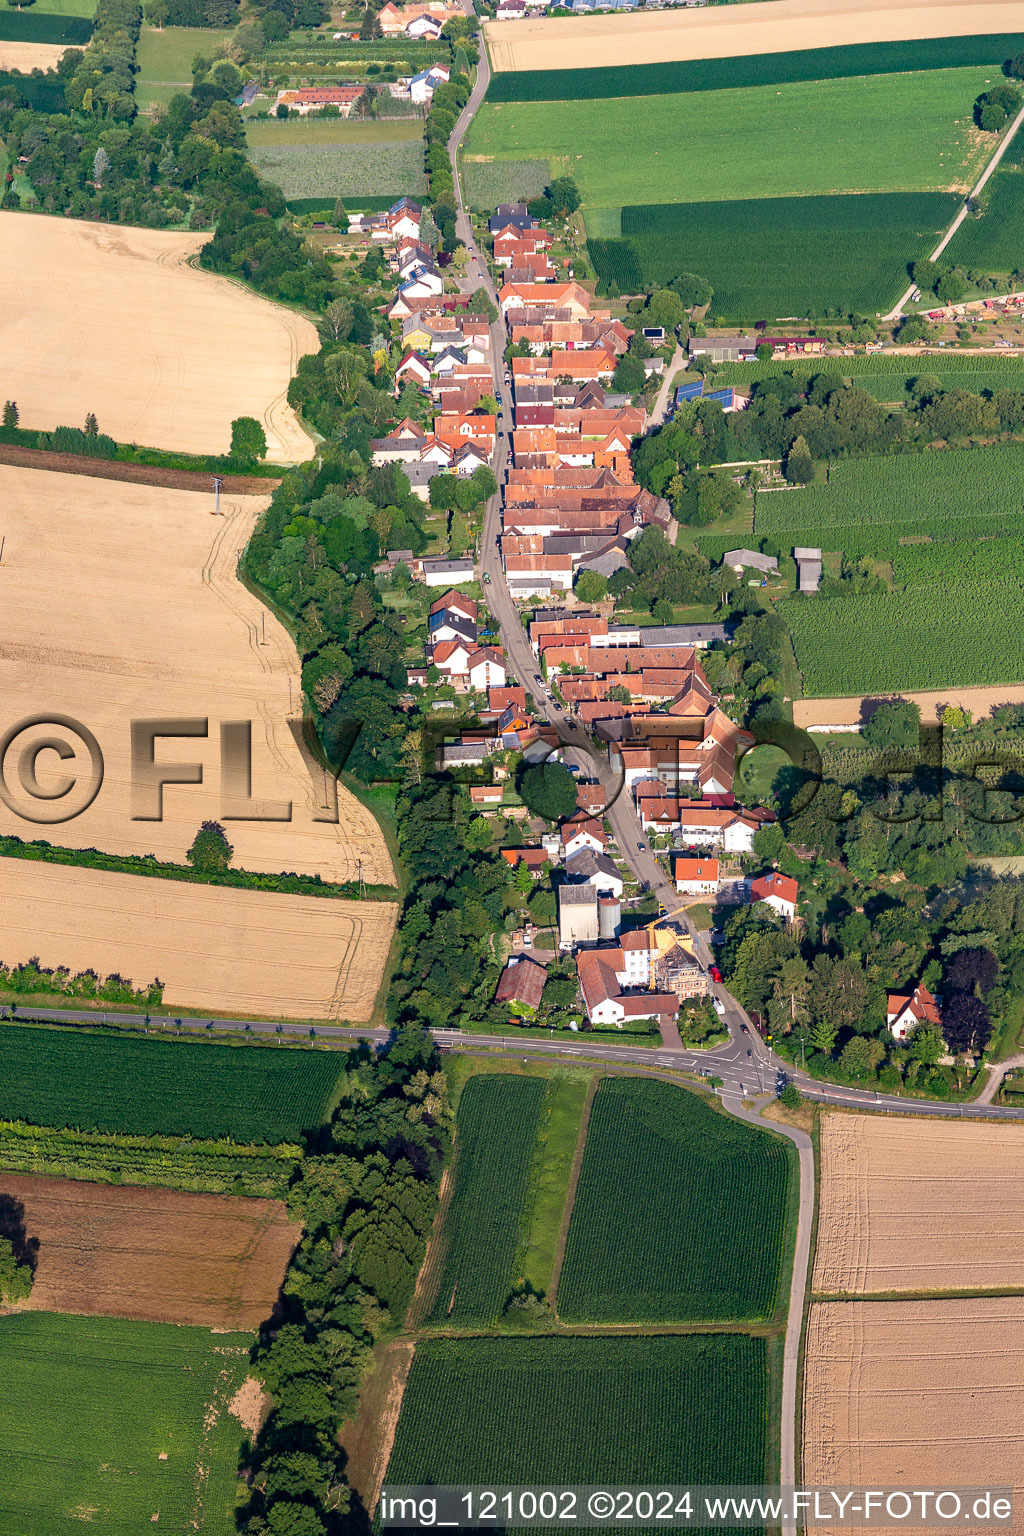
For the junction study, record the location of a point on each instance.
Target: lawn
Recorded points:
(885, 133)
(45, 27)
(656, 1411)
(69, 8)
(888, 377)
(496, 1128)
(297, 131)
(113, 1426)
(680, 1212)
(143, 1087)
(341, 170)
(995, 242)
(770, 257)
(165, 57)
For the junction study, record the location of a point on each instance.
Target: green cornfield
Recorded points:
(487, 183)
(655, 1411)
(141, 1087)
(496, 1131)
(995, 242)
(680, 1213)
(671, 76)
(105, 1424)
(343, 170)
(870, 504)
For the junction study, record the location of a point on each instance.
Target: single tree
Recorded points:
(971, 968)
(591, 586)
(791, 1096)
(10, 413)
(799, 464)
(965, 1022)
(763, 352)
(523, 880)
(893, 725)
(157, 12)
(92, 426)
(100, 165)
(549, 790)
(15, 1275)
(248, 440)
(210, 853)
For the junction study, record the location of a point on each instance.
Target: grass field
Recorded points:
(165, 58)
(704, 1239)
(886, 133)
(770, 257)
(577, 1410)
(775, 68)
(269, 132)
(496, 1129)
(44, 27)
(140, 1086)
(348, 170)
(70, 8)
(114, 1426)
(995, 242)
(888, 377)
(554, 1150)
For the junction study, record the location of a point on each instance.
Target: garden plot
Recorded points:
(912, 1206)
(95, 317)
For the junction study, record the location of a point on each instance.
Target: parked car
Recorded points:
(486, 579)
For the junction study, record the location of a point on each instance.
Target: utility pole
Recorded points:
(217, 483)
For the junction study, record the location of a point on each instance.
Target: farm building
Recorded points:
(577, 915)
(808, 564)
(447, 573)
(751, 560)
(314, 98)
(521, 985)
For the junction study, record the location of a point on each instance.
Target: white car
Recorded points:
(719, 1006)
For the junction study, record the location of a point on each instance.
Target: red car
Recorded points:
(715, 973)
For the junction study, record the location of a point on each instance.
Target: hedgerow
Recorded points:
(752, 69)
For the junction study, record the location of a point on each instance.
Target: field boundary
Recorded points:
(570, 1194)
(140, 474)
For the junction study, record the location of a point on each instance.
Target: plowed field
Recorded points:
(915, 1394)
(96, 317)
(919, 1206)
(775, 26)
(157, 1255)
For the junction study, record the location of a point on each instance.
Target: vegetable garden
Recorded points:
(497, 1127)
(581, 1410)
(137, 1086)
(704, 1239)
(303, 170)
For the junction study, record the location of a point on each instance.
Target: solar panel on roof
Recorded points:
(723, 396)
(689, 391)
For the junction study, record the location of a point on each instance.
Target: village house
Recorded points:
(695, 877)
(778, 892)
(906, 1011)
(596, 869)
(604, 977)
(521, 985)
(582, 831)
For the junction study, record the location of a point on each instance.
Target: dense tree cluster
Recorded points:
(446, 104)
(367, 1194)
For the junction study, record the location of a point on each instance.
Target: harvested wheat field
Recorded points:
(154, 1254)
(29, 56)
(771, 26)
(121, 603)
(856, 709)
(915, 1394)
(919, 1205)
(96, 317)
(229, 951)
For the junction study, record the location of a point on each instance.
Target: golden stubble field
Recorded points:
(29, 56)
(121, 603)
(159, 1255)
(767, 26)
(919, 1205)
(97, 317)
(915, 1394)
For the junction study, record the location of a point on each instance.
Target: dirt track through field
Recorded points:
(771, 26)
(97, 317)
(915, 1395)
(857, 708)
(906, 1205)
(155, 1254)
